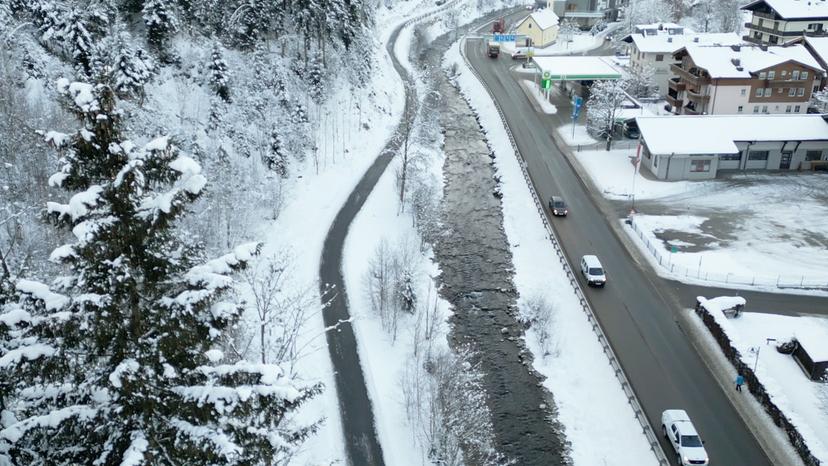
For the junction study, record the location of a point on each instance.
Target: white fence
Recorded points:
(664, 260)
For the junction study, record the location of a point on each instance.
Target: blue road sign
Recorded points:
(577, 101)
(505, 37)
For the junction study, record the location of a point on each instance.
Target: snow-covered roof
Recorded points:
(545, 18)
(669, 43)
(717, 134)
(720, 61)
(814, 341)
(790, 9)
(577, 67)
(820, 47)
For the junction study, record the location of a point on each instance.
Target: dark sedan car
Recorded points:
(558, 206)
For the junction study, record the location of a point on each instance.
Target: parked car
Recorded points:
(558, 206)
(519, 54)
(530, 6)
(630, 129)
(593, 271)
(680, 432)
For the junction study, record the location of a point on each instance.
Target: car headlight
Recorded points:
(685, 460)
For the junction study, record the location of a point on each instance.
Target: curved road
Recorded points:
(361, 445)
(634, 309)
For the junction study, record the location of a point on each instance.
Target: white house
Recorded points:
(698, 147)
(541, 27)
(654, 44)
(778, 21)
(742, 79)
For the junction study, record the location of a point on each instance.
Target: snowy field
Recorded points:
(804, 402)
(591, 403)
(742, 232)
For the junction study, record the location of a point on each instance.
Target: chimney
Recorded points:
(695, 39)
(736, 48)
(736, 62)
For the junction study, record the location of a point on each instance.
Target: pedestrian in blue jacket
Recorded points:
(740, 380)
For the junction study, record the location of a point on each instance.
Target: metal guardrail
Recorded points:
(665, 261)
(632, 398)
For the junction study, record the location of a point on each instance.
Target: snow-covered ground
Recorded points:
(612, 172)
(313, 203)
(577, 136)
(803, 401)
(384, 361)
(532, 89)
(591, 403)
(742, 232)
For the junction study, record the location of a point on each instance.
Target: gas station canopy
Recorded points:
(569, 68)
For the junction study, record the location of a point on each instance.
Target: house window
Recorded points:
(771, 74)
(758, 155)
(697, 166)
(783, 73)
(659, 57)
(800, 92)
(755, 109)
(768, 92)
(760, 91)
(795, 75)
(730, 157)
(791, 92)
(762, 75)
(796, 109)
(812, 155)
(655, 162)
(530, 25)
(764, 109)
(740, 109)
(744, 92)
(803, 76)
(761, 21)
(788, 109)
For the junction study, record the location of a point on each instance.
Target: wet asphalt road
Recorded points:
(636, 310)
(361, 445)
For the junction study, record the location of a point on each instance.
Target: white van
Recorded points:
(677, 428)
(593, 271)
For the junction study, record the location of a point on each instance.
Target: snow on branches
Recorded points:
(119, 362)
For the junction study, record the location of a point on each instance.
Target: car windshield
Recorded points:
(560, 204)
(690, 441)
(596, 271)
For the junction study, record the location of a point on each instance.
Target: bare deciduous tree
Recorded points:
(540, 314)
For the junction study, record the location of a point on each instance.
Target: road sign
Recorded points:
(505, 37)
(546, 83)
(577, 101)
(547, 75)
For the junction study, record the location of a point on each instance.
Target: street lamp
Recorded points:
(755, 351)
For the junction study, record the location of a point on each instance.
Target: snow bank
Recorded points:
(591, 403)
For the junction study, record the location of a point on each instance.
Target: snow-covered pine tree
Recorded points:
(119, 362)
(131, 70)
(161, 22)
(315, 74)
(251, 21)
(219, 74)
(78, 41)
(277, 159)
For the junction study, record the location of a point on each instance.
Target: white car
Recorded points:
(679, 431)
(593, 271)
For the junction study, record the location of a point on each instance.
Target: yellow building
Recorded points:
(541, 27)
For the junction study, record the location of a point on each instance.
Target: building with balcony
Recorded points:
(720, 80)
(653, 45)
(699, 147)
(584, 13)
(774, 22)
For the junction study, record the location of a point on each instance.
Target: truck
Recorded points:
(493, 49)
(680, 432)
(499, 26)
